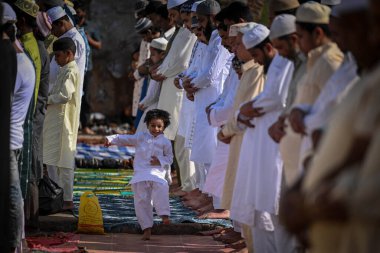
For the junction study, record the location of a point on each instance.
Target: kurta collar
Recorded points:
(248, 65)
(169, 33)
(69, 65)
(151, 135)
(70, 33)
(316, 53)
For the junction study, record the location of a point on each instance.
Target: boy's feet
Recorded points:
(147, 234)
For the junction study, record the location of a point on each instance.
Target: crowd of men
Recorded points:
(274, 127)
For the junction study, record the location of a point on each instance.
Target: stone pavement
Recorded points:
(131, 243)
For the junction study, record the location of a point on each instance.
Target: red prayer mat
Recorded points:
(57, 242)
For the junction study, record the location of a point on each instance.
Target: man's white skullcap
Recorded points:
(208, 7)
(313, 12)
(350, 6)
(159, 43)
(195, 5)
(330, 2)
(56, 13)
(282, 25)
(43, 23)
(255, 36)
(143, 24)
(174, 3)
(9, 15)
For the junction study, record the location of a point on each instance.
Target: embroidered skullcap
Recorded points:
(174, 3)
(143, 24)
(186, 7)
(195, 5)
(159, 43)
(208, 7)
(283, 24)
(330, 2)
(28, 6)
(283, 5)
(313, 12)
(9, 15)
(350, 6)
(56, 13)
(43, 23)
(255, 36)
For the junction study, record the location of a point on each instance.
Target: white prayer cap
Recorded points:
(255, 36)
(234, 29)
(159, 43)
(350, 6)
(330, 2)
(43, 23)
(174, 3)
(56, 13)
(283, 24)
(208, 7)
(143, 24)
(195, 5)
(9, 15)
(313, 12)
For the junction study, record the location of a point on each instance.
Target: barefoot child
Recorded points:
(151, 169)
(62, 119)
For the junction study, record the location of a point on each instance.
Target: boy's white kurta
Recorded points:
(80, 59)
(147, 146)
(148, 182)
(176, 61)
(150, 102)
(209, 80)
(259, 173)
(221, 111)
(144, 54)
(61, 123)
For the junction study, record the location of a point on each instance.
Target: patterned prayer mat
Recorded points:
(116, 199)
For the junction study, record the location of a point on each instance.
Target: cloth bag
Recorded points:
(90, 215)
(50, 196)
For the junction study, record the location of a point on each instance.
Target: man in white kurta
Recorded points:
(259, 173)
(61, 125)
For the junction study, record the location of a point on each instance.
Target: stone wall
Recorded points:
(111, 90)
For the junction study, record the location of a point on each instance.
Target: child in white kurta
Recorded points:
(152, 162)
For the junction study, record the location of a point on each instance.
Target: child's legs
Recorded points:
(143, 203)
(66, 181)
(160, 196)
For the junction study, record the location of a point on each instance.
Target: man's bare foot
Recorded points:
(198, 202)
(192, 194)
(68, 205)
(215, 214)
(147, 234)
(239, 245)
(88, 130)
(205, 209)
(165, 220)
(179, 193)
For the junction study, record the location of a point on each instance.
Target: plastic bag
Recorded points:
(50, 196)
(90, 215)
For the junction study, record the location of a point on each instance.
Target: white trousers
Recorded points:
(149, 194)
(274, 240)
(216, 201)
(237, 226)
(186, 167)
(201, 170)
(64, 177)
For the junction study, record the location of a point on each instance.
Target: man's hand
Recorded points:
(107, 143)
(157, 77)
(154, 161)
(177, 83)
(223, 138)
(143, 70)
(247, 110)
(190, 96)
(276, 130)
(188, 86)
(141, 107)
(296, 119)
(245, 121)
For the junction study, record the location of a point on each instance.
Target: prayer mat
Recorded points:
(98, 156)
(58, 242)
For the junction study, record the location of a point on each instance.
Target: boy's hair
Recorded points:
(157, 114)
(64, 44)
(238, 10)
